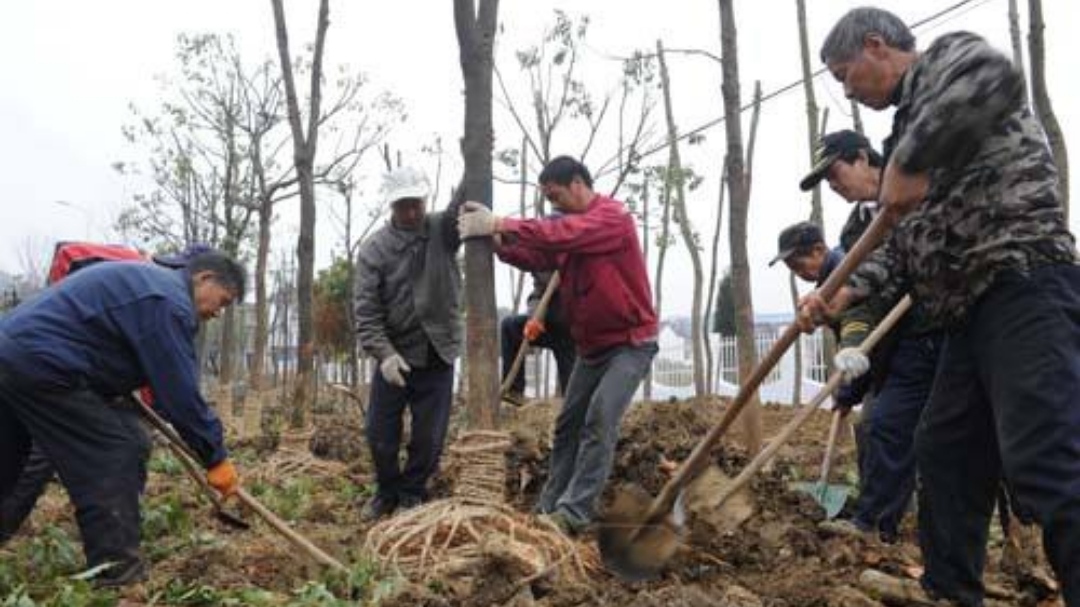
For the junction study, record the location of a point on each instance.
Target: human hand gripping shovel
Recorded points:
(638, 537)
(537, 315)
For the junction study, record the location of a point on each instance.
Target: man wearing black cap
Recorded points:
(900, 372)
(852, 167)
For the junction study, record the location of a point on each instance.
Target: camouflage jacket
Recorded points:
(993, 203)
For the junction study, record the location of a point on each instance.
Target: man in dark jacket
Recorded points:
(408, 317)
(549, 332)
(67, 354)
(608, 303)
(904, 364)
(986, 249)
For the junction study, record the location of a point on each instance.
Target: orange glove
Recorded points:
(533, 329)
(223, 477)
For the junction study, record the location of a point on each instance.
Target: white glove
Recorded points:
(476, 220)
(851, 363)
(392, 368)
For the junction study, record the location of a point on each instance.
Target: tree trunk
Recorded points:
(262, 253)
(689, 238)
(647, 385)
(739, 187)
(476, 38)
(304, 146)
(816, 214)
(714, 266)
(1040, 98)
(1017, 40)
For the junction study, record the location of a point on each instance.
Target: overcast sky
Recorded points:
(72, 68)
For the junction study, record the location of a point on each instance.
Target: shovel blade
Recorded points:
(631, 547)
(831, 498)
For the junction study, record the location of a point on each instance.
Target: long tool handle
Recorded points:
(830, 446)
(692, 465)
(538, 314)
(185, 453)
(766, 454)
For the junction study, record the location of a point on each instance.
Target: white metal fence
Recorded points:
(673, 373)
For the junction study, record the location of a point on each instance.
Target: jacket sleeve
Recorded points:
(370, 313)
(597, 231)
(531, 260)
(163, 339)
(881, 275)
(963, 87)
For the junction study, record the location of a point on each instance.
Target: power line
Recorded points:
(780, 91)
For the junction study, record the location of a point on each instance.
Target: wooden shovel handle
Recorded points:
(187, 457)
(875, 233)
(538, 314)
(803, 414)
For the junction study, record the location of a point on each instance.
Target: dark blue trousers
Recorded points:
(556, 338)
(99, 451)
(20, 500)
(887, 460)
(1006, 399)
(427, 394)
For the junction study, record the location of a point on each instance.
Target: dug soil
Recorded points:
(763, 548)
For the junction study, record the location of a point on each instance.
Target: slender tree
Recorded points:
(1017, 39)
(1040, 98)
(682, 218)
(812, 133)
(739, 190)
(305, 142)
(476, 39)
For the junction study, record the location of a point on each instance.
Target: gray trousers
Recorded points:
(587, 429)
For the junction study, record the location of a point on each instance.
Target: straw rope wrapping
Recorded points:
(476, 526)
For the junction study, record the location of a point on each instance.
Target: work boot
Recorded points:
(846, 528)
(408, 501)
(377, 507)
(569, 525)
(122, 574)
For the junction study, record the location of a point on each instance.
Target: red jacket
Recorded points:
(604, 286)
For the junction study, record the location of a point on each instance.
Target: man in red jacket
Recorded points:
(607, 301)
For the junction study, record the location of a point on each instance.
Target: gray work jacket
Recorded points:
(408, 291)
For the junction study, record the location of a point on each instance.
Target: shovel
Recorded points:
(801, 417)
(640, 536)
(189, 460)
(538, 314)
(830, 497)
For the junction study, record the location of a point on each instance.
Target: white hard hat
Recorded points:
(405, 182)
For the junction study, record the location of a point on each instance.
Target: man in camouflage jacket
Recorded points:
(985, 249)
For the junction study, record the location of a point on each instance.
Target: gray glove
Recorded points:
(852, 363)
(392, 368)
(475, 220)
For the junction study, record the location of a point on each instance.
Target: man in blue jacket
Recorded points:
(66, 355)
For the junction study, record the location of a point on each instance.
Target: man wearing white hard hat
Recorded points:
(408, 317)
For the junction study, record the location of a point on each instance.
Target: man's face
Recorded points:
(211, 295)
(408, 213)
(808, 266)
(867, 77)
(567, 198)
(854, 181)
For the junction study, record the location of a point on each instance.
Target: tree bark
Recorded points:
(304, 147)
(1040, 98)
(739, 189)
(816, 214)
(689, 238)
(476, 39)
(714, 264)
(1017, 40)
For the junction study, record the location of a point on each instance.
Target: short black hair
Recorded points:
(563, 169)
(226, 270)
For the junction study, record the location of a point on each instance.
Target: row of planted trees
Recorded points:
(231, 142)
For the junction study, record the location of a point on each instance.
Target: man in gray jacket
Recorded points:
(408, 317)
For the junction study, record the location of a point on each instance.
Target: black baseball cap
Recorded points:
(840, 144)
(795, 237)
